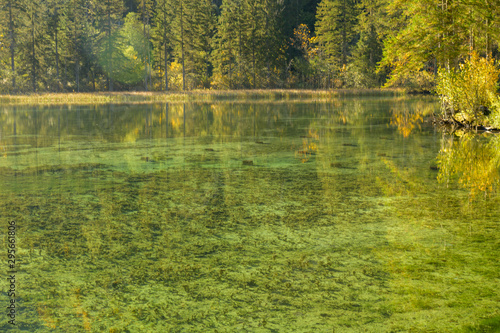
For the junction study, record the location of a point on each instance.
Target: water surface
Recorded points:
(344, 216)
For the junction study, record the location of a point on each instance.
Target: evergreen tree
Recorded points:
(192, 26)
(9, 14)
(54, 24)
(434, 35)
(335, 29)
(109, 13)
(179, 24)
(248, 43)
(81, 45)
(227, 46)
(162, 38)
(146, 9)
(485, 29)
(199, 35)
(74, 22)
(296, 15)
(92, 42)
(32, 15)
(273, 45)
(368, 50)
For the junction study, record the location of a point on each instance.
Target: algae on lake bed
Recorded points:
(167, 230)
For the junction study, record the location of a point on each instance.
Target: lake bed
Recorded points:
(349, 215)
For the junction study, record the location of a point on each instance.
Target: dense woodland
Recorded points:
(160, 45)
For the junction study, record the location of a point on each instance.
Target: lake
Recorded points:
(347, 215)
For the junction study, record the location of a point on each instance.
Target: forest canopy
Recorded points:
(159, 45)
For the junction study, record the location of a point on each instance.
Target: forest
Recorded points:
(162, 45)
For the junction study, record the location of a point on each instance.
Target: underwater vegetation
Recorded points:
(211, 221)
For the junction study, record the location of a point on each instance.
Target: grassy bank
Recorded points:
(191, 96)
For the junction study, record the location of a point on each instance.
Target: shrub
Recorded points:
(469, 93)
(494, 118)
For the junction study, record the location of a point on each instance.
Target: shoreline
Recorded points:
(192, 96)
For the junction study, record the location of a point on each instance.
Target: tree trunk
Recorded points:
(239, 46)
(344, 34)
(144, 33)
(182, 49)
(159, 65)
(33, 52)
(77, 68)
(487, 37)
(253, 65)
(12, 46)
(230, 67)
(149, 72)
(65, 79)
(253, 56)
(57, 65)
(166, 69)
(165, 46)
(57, 53)
(110, 56)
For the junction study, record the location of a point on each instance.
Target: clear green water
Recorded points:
(348, 216)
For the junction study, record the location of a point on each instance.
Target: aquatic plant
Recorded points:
(361, 239)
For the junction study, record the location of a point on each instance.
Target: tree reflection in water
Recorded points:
(472, 160)
(409, 115)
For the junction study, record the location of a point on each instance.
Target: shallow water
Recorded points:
(354, 215)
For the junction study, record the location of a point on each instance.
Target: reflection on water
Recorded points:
(256, 217)
(408, 117)
(474, 160)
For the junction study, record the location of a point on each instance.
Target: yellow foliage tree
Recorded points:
(469, 93)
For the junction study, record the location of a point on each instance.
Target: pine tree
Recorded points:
(399, 53)
(31, 17)
(200, 32)
(179, 24)
(336, 21)
(368, 50)
(434, 35)
(272, 47)
(9, 14)
(226, 53)
(93, 35)
(109, 14)
(485, 26)
(248, 43)
(54, 24)
(146, 9)
(74, 22)
(192, 25)
(162, 37)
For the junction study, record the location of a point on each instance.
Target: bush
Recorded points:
(470, 93)
(494, 118)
